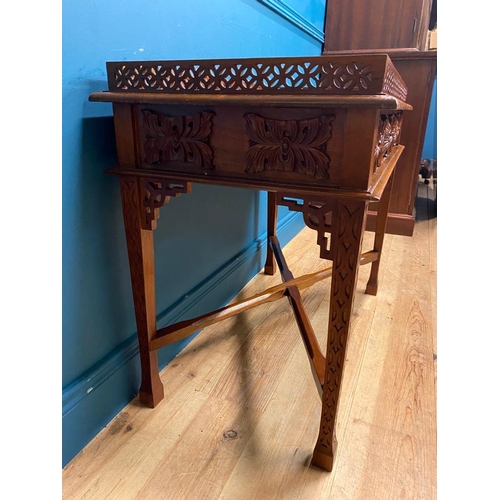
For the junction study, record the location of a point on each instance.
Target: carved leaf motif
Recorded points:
(288, 145)
(182, 139)
(388, 134)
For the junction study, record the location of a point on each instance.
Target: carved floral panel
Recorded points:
(388, 136)
(184, 139)
(288, 145)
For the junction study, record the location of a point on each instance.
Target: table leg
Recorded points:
(380, 226)
(141, 261)
(272, 212)
(347, 227)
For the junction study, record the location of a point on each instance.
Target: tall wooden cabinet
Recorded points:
(398, 28)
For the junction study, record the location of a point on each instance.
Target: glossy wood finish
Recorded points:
(321, 135)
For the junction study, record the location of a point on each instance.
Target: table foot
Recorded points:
(324, 459)
(270, 269)
(151, 390)
(371, 288)
(153, 393)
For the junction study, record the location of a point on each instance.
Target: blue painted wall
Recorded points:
(308, 15)
(430, 141)
(205, 252)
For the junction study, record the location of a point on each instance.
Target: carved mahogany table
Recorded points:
(319, 134)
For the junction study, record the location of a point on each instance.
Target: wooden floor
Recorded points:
(241, 413)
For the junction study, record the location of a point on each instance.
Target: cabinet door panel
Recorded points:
(365, 24)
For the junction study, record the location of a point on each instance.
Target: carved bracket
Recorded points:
(318, 214)
(156, 193)
(288, 145)
(182, 139)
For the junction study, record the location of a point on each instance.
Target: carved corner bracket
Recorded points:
(319, 214)
(155, 194)
(142, 198)
(288, 145)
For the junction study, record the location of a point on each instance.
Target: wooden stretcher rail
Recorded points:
(314, 354)
(368, 257)
(290, 287)
(183, 329)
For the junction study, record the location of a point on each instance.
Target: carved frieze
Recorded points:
(342, 75)
(288, 145)
(354, 76)
(184, 139)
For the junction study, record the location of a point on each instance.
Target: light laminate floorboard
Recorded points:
(241, 412)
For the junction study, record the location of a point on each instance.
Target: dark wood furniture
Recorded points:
(386, 24)
(319, 134)
(399, 29)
